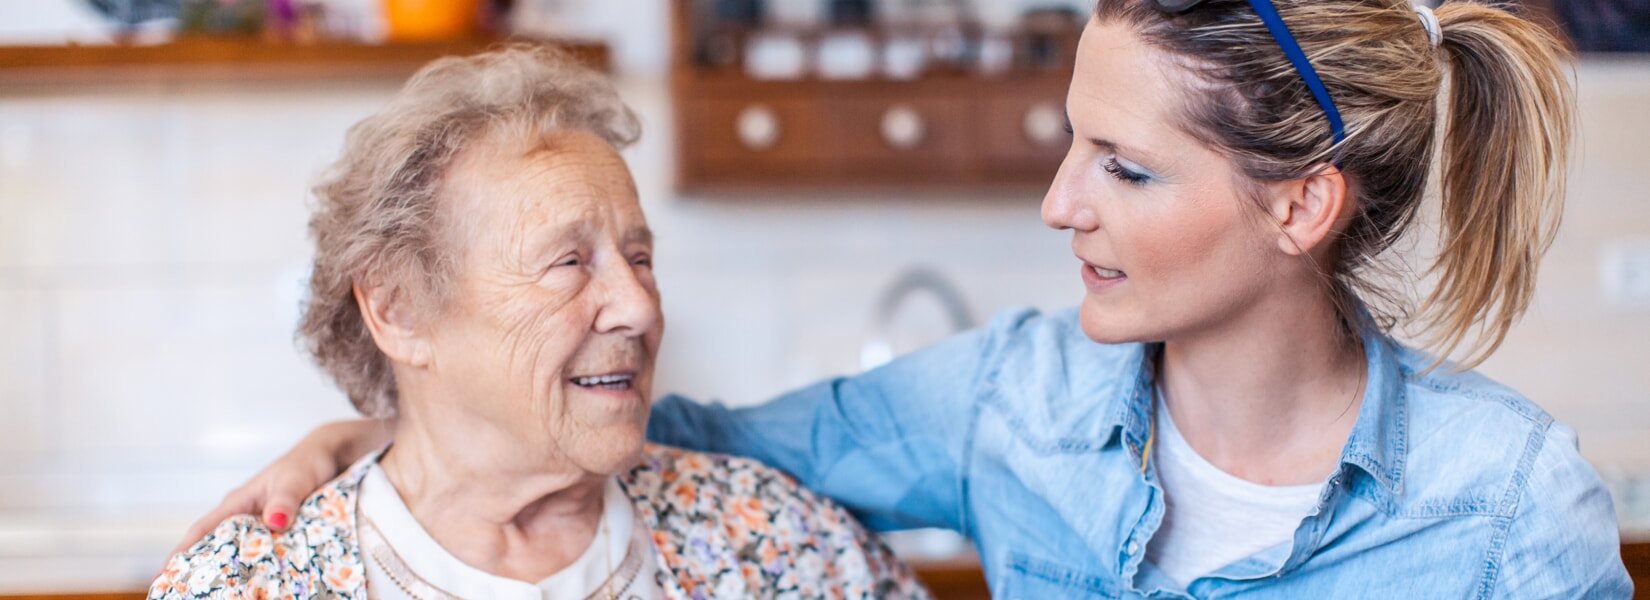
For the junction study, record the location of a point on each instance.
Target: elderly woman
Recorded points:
(483, 272)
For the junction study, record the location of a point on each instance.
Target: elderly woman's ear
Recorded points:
(392, 318)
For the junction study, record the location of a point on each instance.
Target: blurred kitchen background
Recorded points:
(832, 182)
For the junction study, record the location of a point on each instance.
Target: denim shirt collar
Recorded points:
(1134, 413)
(1377, 444)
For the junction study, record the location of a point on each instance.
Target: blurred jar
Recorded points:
(795, 14)
(215, 17)
(431, 20)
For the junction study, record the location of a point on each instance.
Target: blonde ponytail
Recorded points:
(1508, 125)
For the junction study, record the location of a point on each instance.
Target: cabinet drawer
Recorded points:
(751, 139)
(898, 137)
(1022, 134)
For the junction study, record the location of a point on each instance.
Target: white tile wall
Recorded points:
(148, 373)
(25, 375)
(152, 250)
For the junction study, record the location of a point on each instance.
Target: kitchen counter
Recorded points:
(45, 556)
(57, 554)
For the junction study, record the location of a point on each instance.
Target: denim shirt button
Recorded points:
(1133, 547)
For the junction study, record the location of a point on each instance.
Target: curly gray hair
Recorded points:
(378, 214)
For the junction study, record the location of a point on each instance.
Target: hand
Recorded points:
(274, 493)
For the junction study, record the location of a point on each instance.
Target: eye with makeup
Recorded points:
(1118, 169)
(1124, 173)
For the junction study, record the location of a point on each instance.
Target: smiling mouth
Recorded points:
(613, 381)
(1105, 273)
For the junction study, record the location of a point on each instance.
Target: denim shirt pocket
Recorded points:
(1032, 578)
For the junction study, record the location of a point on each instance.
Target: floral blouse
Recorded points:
(722, 527)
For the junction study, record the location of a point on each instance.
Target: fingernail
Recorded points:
(277, 520)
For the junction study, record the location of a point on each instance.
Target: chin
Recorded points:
(617, 451)
(1107, 325)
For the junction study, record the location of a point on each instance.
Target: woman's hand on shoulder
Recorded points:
(274, 493)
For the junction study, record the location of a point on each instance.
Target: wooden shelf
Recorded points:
(236, 60)
(946, 133)
(971, 134)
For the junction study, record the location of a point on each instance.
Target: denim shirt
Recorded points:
(1028, 437)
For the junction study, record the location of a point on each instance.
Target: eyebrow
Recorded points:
(535, 241)
(1113, 147)
(576, 229)
(637, 235)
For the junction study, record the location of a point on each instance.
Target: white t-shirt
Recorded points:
(1213, 518)
(416, 567)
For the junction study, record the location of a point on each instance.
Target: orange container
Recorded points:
(431, 20)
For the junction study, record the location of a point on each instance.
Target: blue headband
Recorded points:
(1280, 32)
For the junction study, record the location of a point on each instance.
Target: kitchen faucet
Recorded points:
(878, 349)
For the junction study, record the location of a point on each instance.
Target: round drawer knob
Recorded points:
(903, 127)
(1045, 125)
(757, 127)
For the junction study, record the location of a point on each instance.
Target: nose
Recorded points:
(1065, 205)
(630, 303)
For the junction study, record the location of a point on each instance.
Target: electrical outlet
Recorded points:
(1626, 273)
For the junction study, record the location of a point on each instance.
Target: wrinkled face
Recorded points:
(1168, 245)
(551, 333)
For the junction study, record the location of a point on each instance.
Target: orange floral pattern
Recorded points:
(722, 528)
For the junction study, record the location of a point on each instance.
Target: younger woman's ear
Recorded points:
(391, 318)
(1308, 210)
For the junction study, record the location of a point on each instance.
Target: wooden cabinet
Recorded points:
(957, 132)
(945, 131)
(238, 61)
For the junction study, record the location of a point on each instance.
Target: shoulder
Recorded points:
(1466, 428)
(1556, 533)
(238, 555)
(790, 540)
(316, 556)
(1052, 386)
(1478, 446)
(1447, 391)
(1561, 539)
(734, 490)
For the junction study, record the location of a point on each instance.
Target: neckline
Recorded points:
(382, 505)
(1171, 443)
